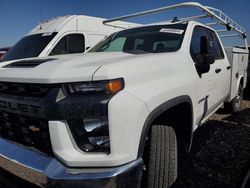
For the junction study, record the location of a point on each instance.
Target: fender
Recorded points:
(159, 110)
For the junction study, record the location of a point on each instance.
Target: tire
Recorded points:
(237, 103)
(246, 181)
(162, 167)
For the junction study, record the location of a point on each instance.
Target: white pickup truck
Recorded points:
(63, 35)
(116, 116)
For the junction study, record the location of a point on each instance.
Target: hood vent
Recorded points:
(27, 63)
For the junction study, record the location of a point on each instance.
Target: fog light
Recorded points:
(102, 141)
(96, 125)
(91, 135)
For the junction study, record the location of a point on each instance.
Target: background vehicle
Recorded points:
(3, 51)
(118, 115)
(63, 35)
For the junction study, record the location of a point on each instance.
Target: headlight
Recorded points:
(91, 132)
(106, 87)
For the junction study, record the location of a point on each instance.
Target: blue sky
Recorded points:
(20, 16)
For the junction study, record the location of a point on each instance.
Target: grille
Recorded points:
(26, 90)
(25, 130)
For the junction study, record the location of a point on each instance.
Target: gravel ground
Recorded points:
(220, 156)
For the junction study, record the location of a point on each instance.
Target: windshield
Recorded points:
(150, 39)
(29, 46)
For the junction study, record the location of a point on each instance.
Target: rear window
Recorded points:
(29, 46)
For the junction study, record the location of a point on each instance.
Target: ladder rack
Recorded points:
(208, 12)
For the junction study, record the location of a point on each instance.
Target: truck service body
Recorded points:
(116, 116)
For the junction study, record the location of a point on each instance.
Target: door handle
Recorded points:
(217, 70)
(228, 67)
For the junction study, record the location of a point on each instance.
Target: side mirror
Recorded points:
(202, 67)
(204, 59)
(205, 51)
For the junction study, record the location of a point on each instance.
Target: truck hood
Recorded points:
(59, 69)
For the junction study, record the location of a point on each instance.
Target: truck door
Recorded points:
(203, 93)
(219, 74)
(213, 86)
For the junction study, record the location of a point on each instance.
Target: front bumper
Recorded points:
(44, 171)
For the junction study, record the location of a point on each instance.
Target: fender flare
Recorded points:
(156, 112)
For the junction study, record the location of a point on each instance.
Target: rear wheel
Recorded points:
(162, 165)
(236, 104)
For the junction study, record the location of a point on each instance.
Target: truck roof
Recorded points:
(79, 22)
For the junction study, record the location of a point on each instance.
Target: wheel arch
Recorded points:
(176, 103)
(241, 81)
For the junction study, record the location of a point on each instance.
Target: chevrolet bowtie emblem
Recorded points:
(34, 128)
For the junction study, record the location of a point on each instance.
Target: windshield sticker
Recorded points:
(47, 34)
(174, 31)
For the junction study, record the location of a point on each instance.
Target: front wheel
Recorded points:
(162, 167)
(237, 103)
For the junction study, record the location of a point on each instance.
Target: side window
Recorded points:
(214, 45)
(138, 44)
(116, 45)
(69, 44)
(195, 48)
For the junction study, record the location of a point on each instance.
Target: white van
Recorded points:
(63, 35)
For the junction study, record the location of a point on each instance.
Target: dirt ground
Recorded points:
(220, 156)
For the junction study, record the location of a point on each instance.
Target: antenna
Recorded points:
(175, 19)
(41, 15)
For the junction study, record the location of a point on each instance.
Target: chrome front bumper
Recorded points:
(45, 171)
